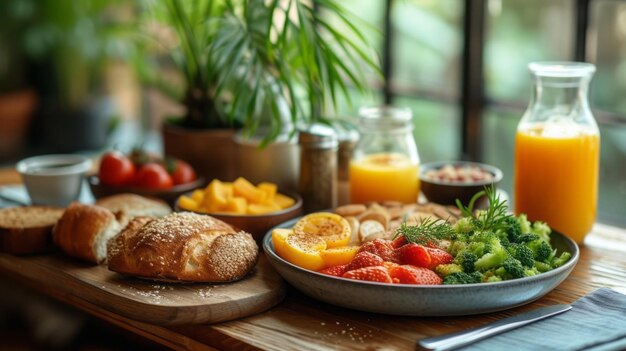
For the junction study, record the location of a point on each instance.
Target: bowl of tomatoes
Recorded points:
(145, 174)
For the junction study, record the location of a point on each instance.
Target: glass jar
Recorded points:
(385, 162)
(557, 149)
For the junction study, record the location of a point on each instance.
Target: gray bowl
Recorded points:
(446, 193)
(432, 300)
(53, 180)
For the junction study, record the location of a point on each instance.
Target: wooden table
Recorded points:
(300, 323)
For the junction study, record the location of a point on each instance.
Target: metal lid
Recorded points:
(318, 136)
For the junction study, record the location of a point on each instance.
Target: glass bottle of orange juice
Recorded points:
(385, 162)
(557, 149)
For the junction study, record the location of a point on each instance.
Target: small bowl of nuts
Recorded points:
(445, 181)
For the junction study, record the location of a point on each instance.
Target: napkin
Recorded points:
(595, 322)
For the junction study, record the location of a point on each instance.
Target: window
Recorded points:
(461, 65)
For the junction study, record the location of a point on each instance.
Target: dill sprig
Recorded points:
(491, 219)
(428, 231)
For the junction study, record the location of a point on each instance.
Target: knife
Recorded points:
(464, 337)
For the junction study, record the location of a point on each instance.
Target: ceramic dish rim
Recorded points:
(79, 164)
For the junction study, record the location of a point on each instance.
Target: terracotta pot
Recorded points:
(278, 162)
(16, 111)
(210, 151)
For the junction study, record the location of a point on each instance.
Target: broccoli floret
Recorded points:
(466, 260)
(512, 228)
(541, 229)
(511, 269)
(493, 279)
(457, 247)
(528, 237)
(445, 270)
(542, 266)
(523, 254)
(490, 239)
(477, 248)
(559, 261)
(464, 225)
(463, 278)
(524, 223)
(492, 259)
(530, 272)
(541, 250)
(503, 237)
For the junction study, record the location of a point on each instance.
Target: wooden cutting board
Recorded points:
(149, 301)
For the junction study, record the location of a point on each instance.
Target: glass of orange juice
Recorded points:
(557, 148)
(385, 162)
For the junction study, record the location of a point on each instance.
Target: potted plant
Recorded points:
(267, 67)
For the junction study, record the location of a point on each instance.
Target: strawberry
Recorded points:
(364, 259)
(399, 241)
(372, 274)
(413, 254)
(336, 271)
(381, 248)
(408, 274)
(437, 257)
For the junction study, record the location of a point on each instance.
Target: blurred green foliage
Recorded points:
(272, 63)
(70, 39)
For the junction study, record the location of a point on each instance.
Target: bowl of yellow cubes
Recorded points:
(252, 208)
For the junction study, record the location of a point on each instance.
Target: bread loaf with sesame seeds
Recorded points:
(83, 231)
(182, 247)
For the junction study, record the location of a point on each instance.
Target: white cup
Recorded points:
(53, 180)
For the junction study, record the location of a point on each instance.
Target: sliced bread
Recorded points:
(132, 205)
(27, 230)
(84, 231)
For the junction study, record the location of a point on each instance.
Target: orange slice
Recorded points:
(279, 237)
(304, 250)
(330, 227)
(338, 255)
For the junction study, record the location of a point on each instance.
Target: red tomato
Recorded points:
(153, 176)
(183, 173)
(116, 169)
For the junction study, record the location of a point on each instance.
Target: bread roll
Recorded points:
(133, 205)
(28, 229)
(184, 247)
(84, 230)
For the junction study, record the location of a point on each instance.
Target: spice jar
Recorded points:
(385, 162)
(557, 150)
(318, 168)
(347, 142)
